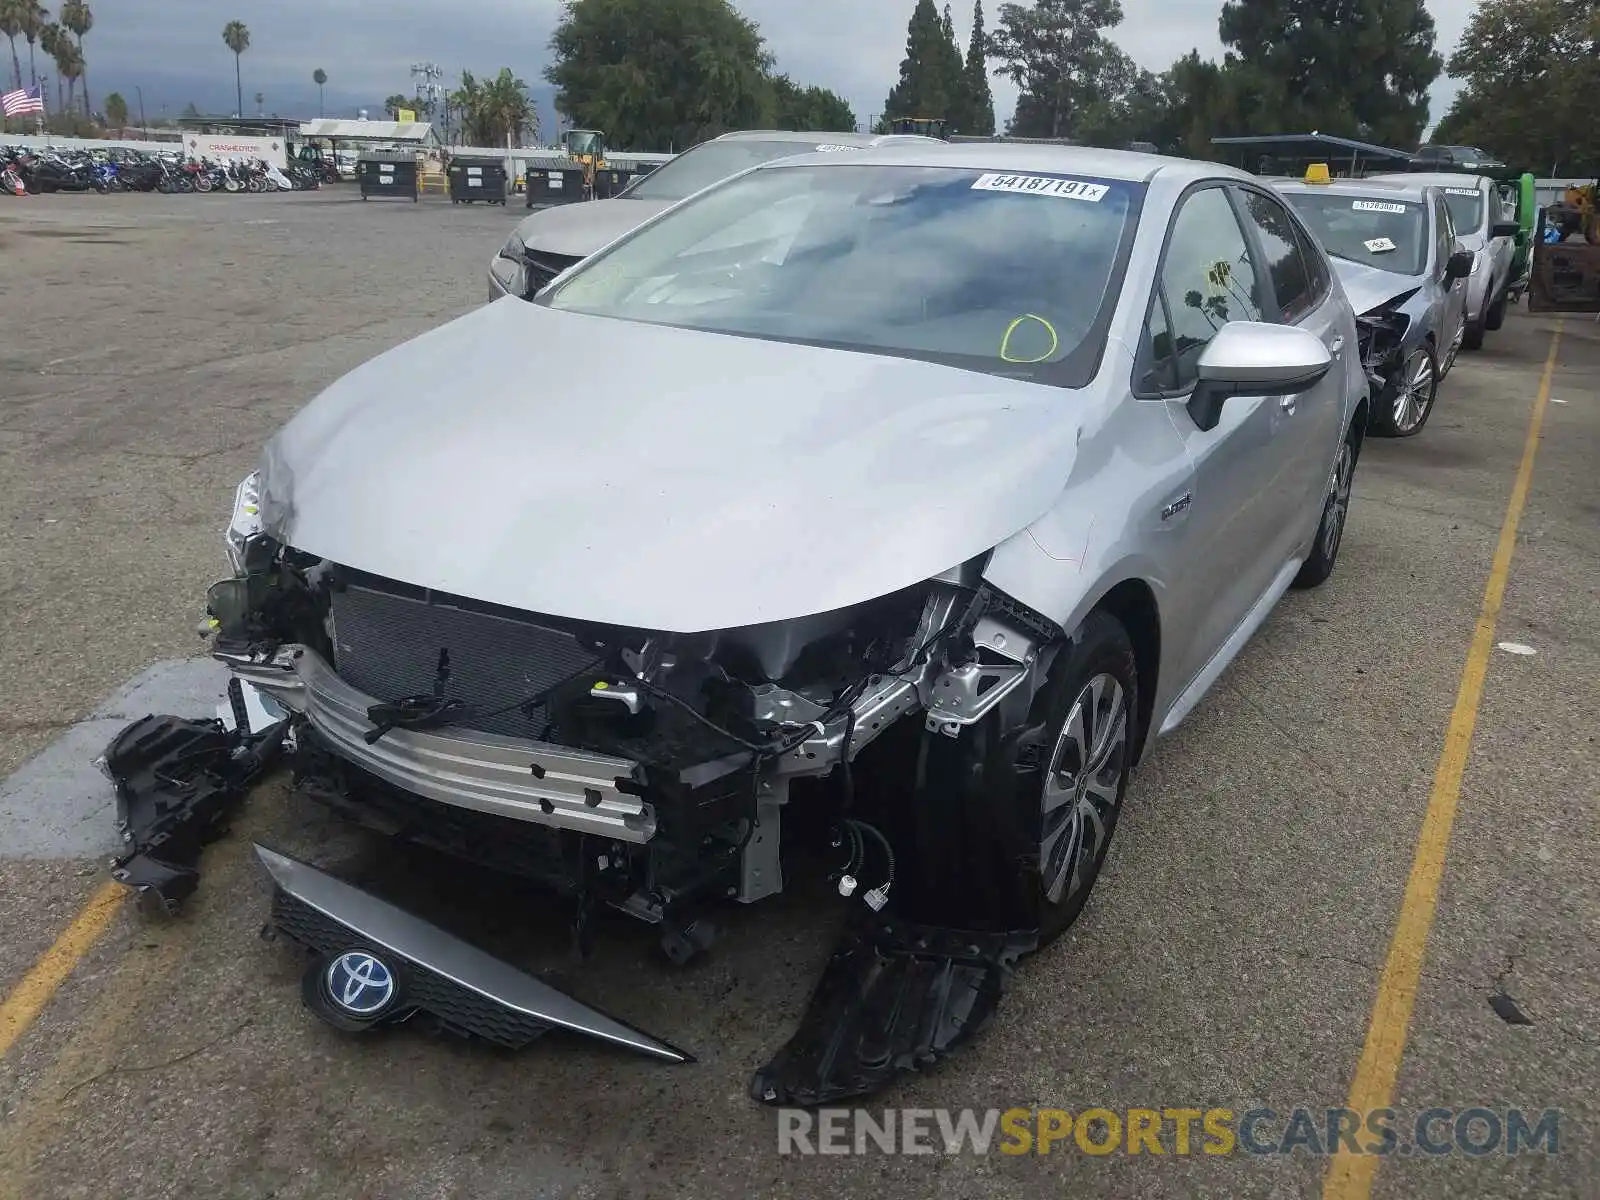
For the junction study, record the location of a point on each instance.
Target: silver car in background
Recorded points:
(548, 241)
(1484, 211)
(1394, 247)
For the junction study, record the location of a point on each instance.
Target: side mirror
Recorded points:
(1505, 229)
(1253, 358)
(1459, 264)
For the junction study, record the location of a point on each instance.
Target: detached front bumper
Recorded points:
(542, 784)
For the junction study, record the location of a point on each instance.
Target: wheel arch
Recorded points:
(1133, 603)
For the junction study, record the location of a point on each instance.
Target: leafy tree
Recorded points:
(117, 112)
(495, 111)
(659, 74)
(977, 99)
(320, 78)
(393, 104)
(236, 36)
(1526, 63)
(931, 74)
(1360, 68)
(809, 108)
(1058, 55)
(78, 20)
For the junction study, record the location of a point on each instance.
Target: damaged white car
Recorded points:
(944, 479)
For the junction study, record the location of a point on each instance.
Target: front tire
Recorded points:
(1496, 316)
(1335, 511)
(1089, 708)
(1405, 407)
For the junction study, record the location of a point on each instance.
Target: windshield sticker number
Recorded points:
(1042, 185)
(829, 148)
(1379, 245)
(1377, 206)
(1462, 191)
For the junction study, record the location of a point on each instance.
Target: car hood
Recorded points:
(1368, 288)
(578, 229)
(720, 481)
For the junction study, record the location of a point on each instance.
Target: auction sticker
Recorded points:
(1378, 245)
(1377, 206)
(1042, 185)
(829, 148)
(1462, 191)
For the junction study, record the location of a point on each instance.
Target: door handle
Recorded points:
(1338, 346)
(1287, 404)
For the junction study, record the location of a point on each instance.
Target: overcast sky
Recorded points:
(173, 48)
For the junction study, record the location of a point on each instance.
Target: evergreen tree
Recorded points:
(931, 75)
(979, 114)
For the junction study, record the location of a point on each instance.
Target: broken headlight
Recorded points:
(244, 527)
(1380, 335)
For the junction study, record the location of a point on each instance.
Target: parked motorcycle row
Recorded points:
(26, 171)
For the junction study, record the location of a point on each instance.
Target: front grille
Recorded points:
(389, 645)
(458, 1008)
(544, 266)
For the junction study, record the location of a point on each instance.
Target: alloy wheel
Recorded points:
(1338, 505)
(1414, 397)
(1083, 785)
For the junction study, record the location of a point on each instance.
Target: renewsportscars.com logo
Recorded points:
(1169, 1131)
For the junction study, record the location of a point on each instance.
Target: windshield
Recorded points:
(1391, 235)
(1466, 208)
(708, 162)
(1010, 274)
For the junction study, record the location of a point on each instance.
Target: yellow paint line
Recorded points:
(22, 1006)
(1350, 1175)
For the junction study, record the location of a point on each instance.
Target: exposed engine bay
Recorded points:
(1381, 333)
(659, 774)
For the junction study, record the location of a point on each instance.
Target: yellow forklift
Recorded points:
(587, 148)
(1565, 275)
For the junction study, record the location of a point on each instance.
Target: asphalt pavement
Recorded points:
(1241, 950)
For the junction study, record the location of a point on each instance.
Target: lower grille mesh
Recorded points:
(389, 646)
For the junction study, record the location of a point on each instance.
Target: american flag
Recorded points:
(23, 100)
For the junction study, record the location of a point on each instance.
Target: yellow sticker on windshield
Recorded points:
(1011, 330)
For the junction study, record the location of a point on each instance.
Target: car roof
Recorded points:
(1124, 165)
(817, 137)
(1439, 178)
(1373, 189)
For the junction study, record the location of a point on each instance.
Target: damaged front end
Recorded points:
(652, 772)
(1381, 334)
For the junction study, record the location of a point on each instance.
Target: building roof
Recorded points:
(377, 131)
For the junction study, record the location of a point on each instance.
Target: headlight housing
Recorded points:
(244, 527)
(510, 267)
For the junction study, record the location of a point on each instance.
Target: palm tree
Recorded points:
(236, 36)
(77, 18)
(69, 63)
(34, 20)
(11, 20)
(319, 77)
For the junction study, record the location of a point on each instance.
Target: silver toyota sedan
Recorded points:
(943, 480)
(1394, 247)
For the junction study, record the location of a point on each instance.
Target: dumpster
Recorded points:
(610, 181)
(551, 185)
(473, 179)
(388, 175)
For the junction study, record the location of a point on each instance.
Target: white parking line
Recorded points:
(58, 805)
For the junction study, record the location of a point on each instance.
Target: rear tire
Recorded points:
(1324, 554)
(1496, 316)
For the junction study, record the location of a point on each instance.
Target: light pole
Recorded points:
(143, 124)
